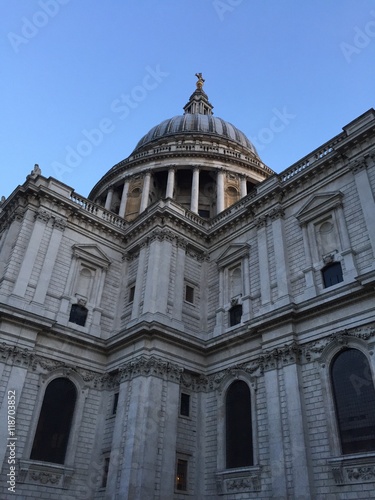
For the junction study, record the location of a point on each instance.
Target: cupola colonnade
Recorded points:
(203, 191)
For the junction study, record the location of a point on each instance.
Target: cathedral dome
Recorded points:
(206, 126)
(203, 162)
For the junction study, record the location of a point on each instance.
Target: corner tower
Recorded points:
(202, 162)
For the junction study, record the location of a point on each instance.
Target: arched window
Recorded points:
(332, 274)
(78, 314)
(238, 428)
(354, 396)
(235, 314)
(52, 433)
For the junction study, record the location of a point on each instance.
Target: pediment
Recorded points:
(92, 254)
(232, 253)
(318, 205)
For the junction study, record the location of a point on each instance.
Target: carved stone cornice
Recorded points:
(144, 366)
(60, 223)
(276, 213)
(199, 382)
(43, 215)
(25, 358)
(260, 222)
(358, 165)
(281, 356)
(314, 350)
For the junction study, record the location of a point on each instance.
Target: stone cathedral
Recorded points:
(198, 327)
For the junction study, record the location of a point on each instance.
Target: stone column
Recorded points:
(310, 288)
(108, 200)
(178, 297)
(264, 271)
(299, 462)
(49, 261)
(170, 183)
(220, 191)
(9, 240)
(157, 278)
(139, 282)
(145, 191)
(115, 459)
(24, 275)
(275, 433)
(195, 191)
(246, 299)
(366, 198)
(281, 258)
(124, 199)
(149, 451)
(220, 311)
(243, 187)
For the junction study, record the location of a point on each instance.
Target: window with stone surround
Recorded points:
(54, 424)
(189, 293)
(184, 404)
(354, 397)
(332, 274)
(181, 474)
(78, 314)
(238, 427)
(235, 314)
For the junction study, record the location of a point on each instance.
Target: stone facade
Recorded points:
(184, 292)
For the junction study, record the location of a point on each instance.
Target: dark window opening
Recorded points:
(115, 403)
(131, 293)
(204, 213)
(181, 475)
(185, 404)
(235, 314)
(332, 274)
(78, 314)
(52, 433)
(189, 294)
(239, 438)
(354, 397)
(105, 472)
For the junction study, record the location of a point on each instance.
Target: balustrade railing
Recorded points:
(98, 211)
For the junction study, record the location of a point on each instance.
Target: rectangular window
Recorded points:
(131, 293)
(105, 472)
(189, 294)
(185, 404)
(181, 475)
(115, 403)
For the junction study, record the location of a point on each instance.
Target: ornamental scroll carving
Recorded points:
(244, 481)
(355, 472)
(314, 350)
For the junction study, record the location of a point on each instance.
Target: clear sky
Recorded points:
(83, 80)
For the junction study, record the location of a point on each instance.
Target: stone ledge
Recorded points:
(46, 474)
(353, 469)
(241, 480)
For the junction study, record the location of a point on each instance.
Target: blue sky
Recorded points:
(83, 80)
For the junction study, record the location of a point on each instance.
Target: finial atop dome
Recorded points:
(198, 102)
(200, 81)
